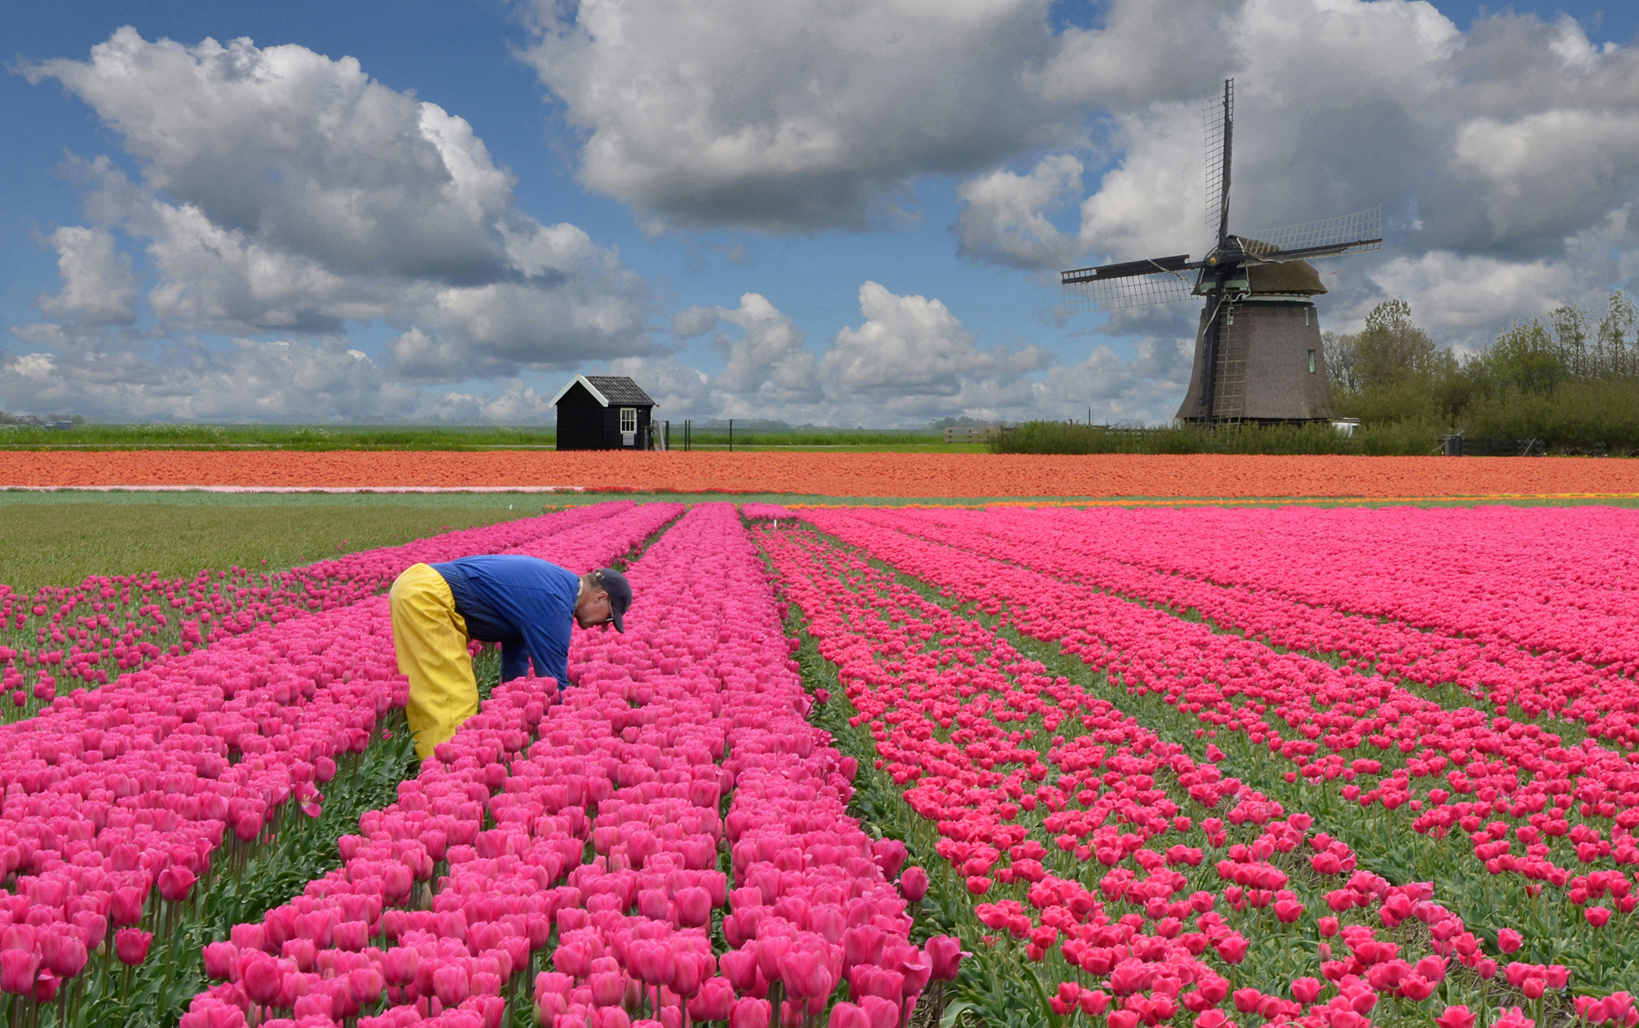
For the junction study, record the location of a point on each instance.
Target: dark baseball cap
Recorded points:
(620, 593)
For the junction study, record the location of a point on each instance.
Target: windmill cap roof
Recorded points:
(1286, 277)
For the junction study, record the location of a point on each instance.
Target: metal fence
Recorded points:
(1459, 445)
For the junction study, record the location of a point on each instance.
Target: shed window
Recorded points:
(628, 415)
(1311, 362)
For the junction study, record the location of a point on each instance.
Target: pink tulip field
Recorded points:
(853, 767)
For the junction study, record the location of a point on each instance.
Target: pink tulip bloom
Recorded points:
(1455, 1017)
(131, 945)
(749, 1013)
(18, 971)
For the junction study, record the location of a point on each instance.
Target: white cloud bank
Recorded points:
(908, 360)
(791, 116)
(284, 195)
(283, 192)
(1505, 158)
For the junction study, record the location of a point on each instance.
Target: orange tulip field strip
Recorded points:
(841, 474)
(1073, 826)
(1532, 835)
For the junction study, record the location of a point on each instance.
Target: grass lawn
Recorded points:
(61, 543)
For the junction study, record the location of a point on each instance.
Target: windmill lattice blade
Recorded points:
(1127, 291)
(1213, 121)
(1351, 233)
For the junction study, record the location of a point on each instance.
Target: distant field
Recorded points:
(60, 543)
(274, 437)
(457, 438)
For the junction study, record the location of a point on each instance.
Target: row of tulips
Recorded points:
(63, 637)
(1504, 778)
(1543, 684)
(1093, 842)
(578, 861)
(1560, 579)
(126, 806)
(1591, 822)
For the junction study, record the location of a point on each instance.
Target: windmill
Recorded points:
(1258, 354)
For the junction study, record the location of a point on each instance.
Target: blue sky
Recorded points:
(862, 230)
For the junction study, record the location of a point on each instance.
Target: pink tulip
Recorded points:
(125, 906)
(750, 1013)
(70, 959)
(847, 1015)
(771, 953)
(1455, 1017)
(262, 978)
(399, 966)
(713, 1002)
(693, 907)
(689, 972)
(607, 988)
(18, 971)
(740, 968)
(653, 962)
(913, 884)
(365, 985)
(450, 984)
(131, 945)
(805, 973)
(218, 959)
(175, 882)
(882, 1013)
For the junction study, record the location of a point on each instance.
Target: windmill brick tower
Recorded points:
(1258, 356)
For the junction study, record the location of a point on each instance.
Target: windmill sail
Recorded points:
(1328, 237)
(1218, 118)
(1132, 284)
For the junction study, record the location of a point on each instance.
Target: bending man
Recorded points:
(523, 603)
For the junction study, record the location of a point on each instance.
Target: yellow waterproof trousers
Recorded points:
(430, 639)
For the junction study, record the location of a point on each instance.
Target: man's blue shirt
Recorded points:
(524, 603)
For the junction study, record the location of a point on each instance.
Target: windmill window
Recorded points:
(1311, 362)
(628, 415)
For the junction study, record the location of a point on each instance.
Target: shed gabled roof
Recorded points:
(609, 389)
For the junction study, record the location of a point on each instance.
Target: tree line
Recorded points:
(1571, 380)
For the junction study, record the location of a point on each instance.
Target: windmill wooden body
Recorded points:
(1258, 355)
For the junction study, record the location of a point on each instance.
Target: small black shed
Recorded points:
(603, 412)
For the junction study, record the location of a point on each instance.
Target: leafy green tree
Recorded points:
(1525, 358)
(1392, 347)
(1617, 344)
(1342, 357)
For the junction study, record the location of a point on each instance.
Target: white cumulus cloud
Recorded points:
(788, 116)
(99, 286)
(283, 192)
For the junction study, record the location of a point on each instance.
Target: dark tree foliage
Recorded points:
(1571, 380)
